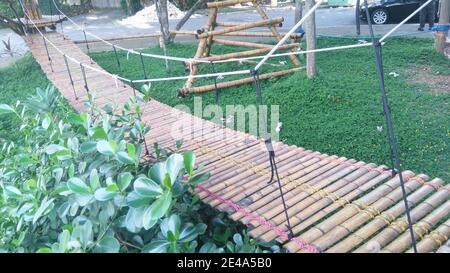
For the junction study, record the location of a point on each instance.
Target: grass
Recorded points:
(338, 112)
(18, 82)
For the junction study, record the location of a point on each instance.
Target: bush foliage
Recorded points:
(81, 183)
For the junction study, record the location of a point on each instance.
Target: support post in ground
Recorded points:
(444, 19)
(310, 28)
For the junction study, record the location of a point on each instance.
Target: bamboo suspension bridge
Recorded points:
(332, 204)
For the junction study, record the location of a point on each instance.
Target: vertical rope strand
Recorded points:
(48, 54)
(83, 72)
(376, 45)
(143, 65)
(269, 147)
(70, 77)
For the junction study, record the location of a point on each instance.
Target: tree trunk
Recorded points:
(188, 15)
(32, 9)
(357, 20)
(310, 28)
(298, 10)
(163, 17)
(441, 36)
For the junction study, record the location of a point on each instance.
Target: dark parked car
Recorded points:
(385, 11)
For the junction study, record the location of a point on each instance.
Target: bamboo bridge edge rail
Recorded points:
(335, 204)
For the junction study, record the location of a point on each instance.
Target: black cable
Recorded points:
(87, 45)
(143, 65)
(134, 87)
(117, 59)
(270, 150)
(70, 76)
(376, 45)
(48, 54)
(83, 72)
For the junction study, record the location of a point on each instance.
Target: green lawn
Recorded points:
(18, 82)
(339, 111)
(336, 113)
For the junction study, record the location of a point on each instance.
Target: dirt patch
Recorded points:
(438, 83)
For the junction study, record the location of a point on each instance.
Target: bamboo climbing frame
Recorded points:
(207, 38)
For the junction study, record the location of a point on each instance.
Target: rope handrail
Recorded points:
(116, 77)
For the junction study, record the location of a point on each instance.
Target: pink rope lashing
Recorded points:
(281, 233)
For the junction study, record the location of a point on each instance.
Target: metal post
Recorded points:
(216, 90)
(83, 72)
(48, 54)
(87, 45)
(143, 65)
(269, 147)
(390, 130)
(70, 76)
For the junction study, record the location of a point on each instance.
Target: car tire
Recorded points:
(379, 16)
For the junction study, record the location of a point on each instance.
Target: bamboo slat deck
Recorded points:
(335, 204)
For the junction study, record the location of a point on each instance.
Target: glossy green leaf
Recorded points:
(173, 166)
(88, 147)
(136, 201)
(104, 147)
(108, 244)
(189, 162)
(124, 180)
(157, 173)
(161, 205)
(124, 158)
(146, 187)
(190, 232)
(103, 194)
(77, 185)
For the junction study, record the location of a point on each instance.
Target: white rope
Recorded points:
(221, 74)
(116, 77)
(404, 21)
(190, 60)
(287, 35)
(296, 52)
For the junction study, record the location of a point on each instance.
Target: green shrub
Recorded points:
(79, 183)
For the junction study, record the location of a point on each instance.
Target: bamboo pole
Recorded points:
(345, 213)
(364, 232)
(242, 44)
(247, 53)
(226, 3)
(277, 218)
(266, 22)
(421, 228)
(233, 34)
(234, 24)
(211, 27)
(399, 226)
(327, 171)
(340, 231)
(274, 31)
(325, 206)
(198, 54)
(221, 85)
(434, 239)
(193, 68)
